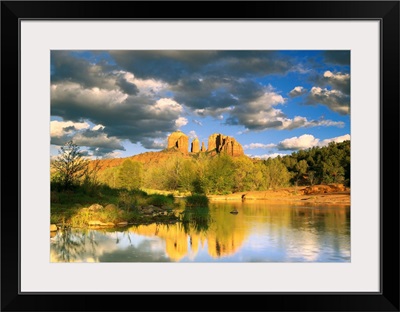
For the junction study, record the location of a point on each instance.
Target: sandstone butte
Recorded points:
(217, 143)
(178, 142)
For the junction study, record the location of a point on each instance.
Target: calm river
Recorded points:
(259, 232)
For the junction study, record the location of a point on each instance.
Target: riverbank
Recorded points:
(318, 194)
(158, 208)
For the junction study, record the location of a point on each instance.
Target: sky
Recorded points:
(120, 103)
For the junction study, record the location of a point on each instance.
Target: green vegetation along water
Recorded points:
(259, 232)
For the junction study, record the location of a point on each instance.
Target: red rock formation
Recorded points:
(220, 143)
(212, 142)
(195, 148)
(179, 140)
(203, 148)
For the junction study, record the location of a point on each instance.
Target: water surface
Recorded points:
(259, 232)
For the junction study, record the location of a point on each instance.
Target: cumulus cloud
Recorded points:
(68, 66)
(217, 113)
(137, 118)
(192, 134)
(306, 141)
(98, 127)
(303, 122)
(297, 91)
(94, 139)
(97, 139)
(258, 114)
(334, 99)
(173, 65)
(141, 96)
(338, 139)
(62, 128)
(126, 85)
(338, 81)
(258, 145)
(156, 143)
(296, 143)
(266, 156)
(181, 121)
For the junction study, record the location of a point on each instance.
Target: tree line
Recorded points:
(203, 174)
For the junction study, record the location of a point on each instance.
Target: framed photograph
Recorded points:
(248, 156)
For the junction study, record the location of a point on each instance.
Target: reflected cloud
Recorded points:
(260, 232)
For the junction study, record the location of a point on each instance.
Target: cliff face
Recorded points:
(179, 140)
(217, 143)
(212, 142)
(195, 146)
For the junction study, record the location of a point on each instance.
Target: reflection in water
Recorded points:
(260, 232)
(69, 245)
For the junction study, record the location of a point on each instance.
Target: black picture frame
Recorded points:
(12, 12)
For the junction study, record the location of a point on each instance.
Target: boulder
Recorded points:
(95, 207)
(53, 227)
(110, 207)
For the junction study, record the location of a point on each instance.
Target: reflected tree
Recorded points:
(196, 218)
(70, 246)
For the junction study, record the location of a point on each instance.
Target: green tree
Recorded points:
(187, 175)
(219, 177)
(244, 174)
(301, 169)
(70, 165)
(130, 175)
(276, 173)
(91, 179)
(109, 177)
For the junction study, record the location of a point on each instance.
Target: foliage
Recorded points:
(197, 200)
(160, 200)
(91, 182)
(219, 175)
(320, 165)
(276, 173)
(130, 175)
(70, 166)
(70, 207)
(222, 174)
(82, 216)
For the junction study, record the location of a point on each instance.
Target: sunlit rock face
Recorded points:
(219, 143)
(195, 146)
(212, 142)
(203, 147)
(179, 140)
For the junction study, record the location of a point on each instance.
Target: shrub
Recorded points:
(197, 200)
(160, 200)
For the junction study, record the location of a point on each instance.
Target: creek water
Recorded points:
(259, 232)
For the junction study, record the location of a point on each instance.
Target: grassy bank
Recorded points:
(109, 207)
